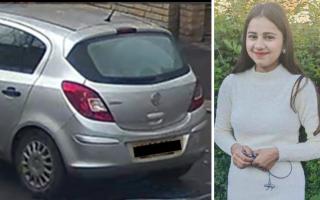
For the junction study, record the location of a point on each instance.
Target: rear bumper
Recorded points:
(87, 153)
(117, 160)
(137, 169)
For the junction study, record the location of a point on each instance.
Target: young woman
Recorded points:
(261, 107)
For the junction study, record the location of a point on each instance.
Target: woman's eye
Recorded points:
(269, 37)
(252, 36)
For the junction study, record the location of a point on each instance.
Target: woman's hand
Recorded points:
(265, 158)
(239, 155)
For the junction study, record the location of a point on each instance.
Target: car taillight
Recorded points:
(86, 101)
(197, 99)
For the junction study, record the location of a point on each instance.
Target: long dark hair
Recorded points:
(275, 13)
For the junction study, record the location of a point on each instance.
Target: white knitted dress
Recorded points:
(254, 109)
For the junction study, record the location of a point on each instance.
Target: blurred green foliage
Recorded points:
(229, 20)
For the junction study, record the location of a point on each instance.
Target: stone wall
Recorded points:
(186, 21)
(163, 14)
(192, 20)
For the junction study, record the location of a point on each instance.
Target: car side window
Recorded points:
(19, 50)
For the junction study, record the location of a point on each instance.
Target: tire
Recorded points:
(39, 164)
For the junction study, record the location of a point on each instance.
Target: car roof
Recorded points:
(73, 16)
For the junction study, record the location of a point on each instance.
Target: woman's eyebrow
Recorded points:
(269, 33)
(264, 33)
(251, 32)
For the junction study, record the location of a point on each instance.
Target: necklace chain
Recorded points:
(269, 185)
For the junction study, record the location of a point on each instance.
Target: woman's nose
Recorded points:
(259, 44)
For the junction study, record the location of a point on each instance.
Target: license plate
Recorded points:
(156, 148)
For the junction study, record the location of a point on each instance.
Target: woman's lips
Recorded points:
(260, 54)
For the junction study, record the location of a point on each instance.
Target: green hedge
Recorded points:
(227, 40)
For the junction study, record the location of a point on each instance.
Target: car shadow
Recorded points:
(149, 187)
(146, 188)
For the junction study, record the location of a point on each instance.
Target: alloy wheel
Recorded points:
(37, 165)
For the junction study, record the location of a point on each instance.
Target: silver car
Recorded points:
(91, 93)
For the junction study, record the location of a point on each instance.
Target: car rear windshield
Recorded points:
(135, 58)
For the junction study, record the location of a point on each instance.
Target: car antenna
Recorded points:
(110, 15)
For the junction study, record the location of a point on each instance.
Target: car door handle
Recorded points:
(11, 91)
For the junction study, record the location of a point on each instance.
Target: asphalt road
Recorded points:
(195, 185)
